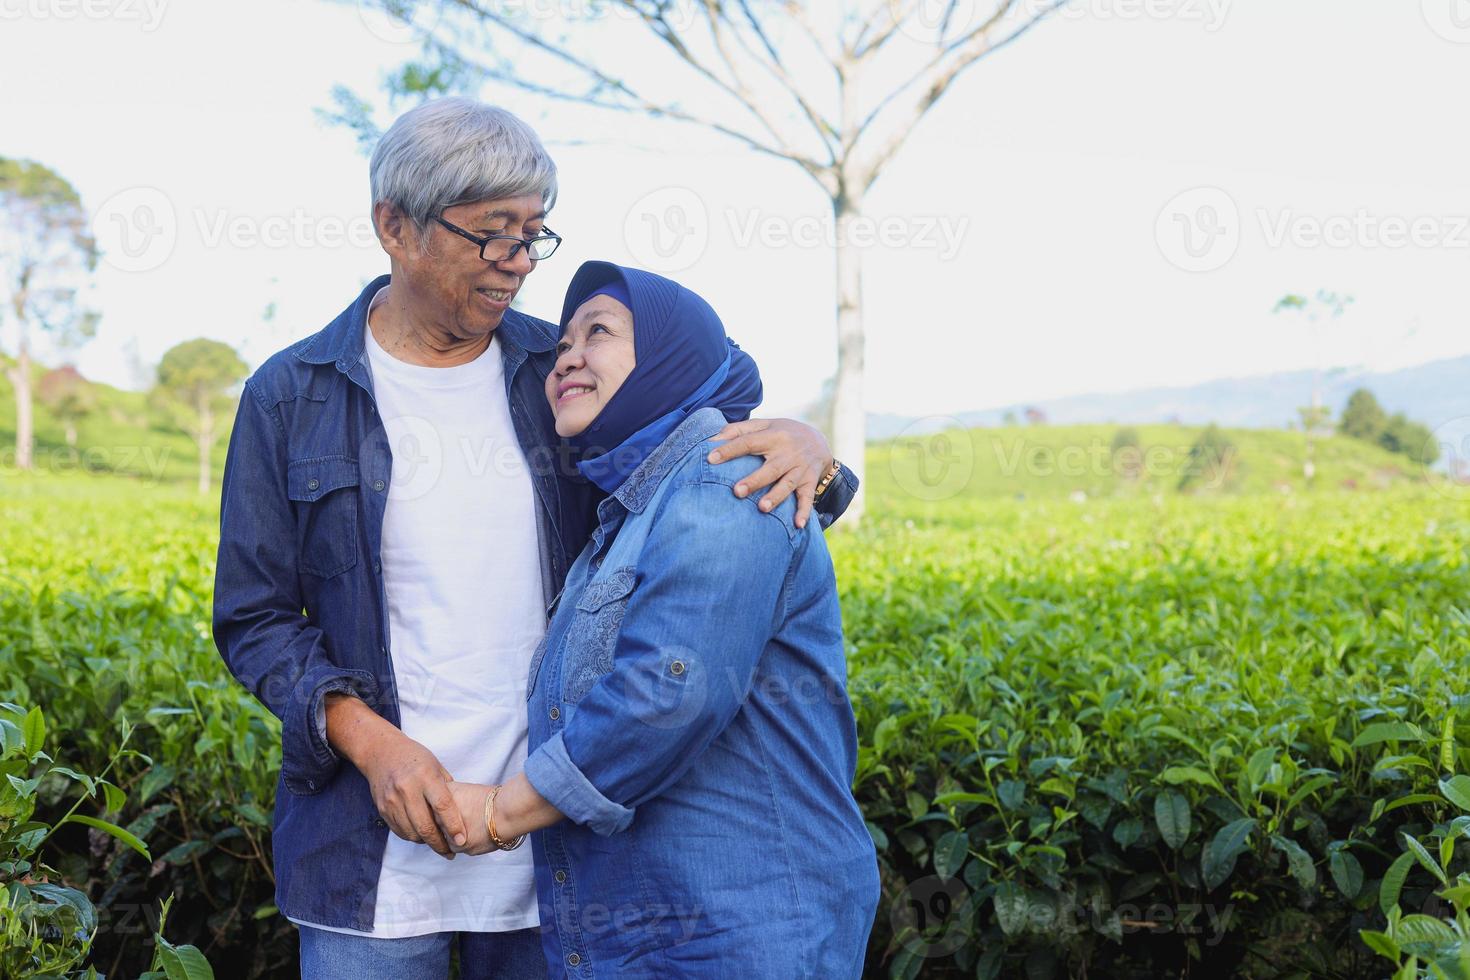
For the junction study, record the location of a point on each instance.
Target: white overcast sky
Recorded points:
(1116, 201)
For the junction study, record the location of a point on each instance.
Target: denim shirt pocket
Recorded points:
(592, 634)
(323, 490)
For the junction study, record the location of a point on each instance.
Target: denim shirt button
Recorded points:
(312, 484)
(561, 877)
(377, 565)
(380, 822)
(378, 485)
(676, 668)
(555, 713)
(573, 959)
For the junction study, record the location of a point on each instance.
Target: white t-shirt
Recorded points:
(466, 610)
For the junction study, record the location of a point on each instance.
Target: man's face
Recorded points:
(445, 275)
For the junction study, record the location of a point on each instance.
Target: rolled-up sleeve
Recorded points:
(688, 649)
(266, 641)
(839, 493)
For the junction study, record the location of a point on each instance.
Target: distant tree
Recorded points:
(1408, 438)
(68, 396)
(1035, 416)
(1210, 462)
(1314, 417)
(195, 382)
(1009, 418)
(1127, 455)
(46, 255)
(1363, 418)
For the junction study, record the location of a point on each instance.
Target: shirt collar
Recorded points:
(638, 488)
(342, 341)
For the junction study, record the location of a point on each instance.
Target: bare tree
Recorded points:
(46, 254)
(1315, 417)
(835, 89)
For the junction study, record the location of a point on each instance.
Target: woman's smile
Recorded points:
(569, 391)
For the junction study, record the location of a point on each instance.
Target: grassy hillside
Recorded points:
(1051, 461)
(121, 436)
(124, 436)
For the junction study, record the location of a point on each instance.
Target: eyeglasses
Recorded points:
(506, 246)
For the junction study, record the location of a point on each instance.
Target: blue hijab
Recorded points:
(684, 363)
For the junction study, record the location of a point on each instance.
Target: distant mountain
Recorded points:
(1436, 393)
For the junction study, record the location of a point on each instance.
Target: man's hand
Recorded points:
(410, 788)
(796, 457)
(470, 798)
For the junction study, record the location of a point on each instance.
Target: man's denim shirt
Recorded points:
(299, 606)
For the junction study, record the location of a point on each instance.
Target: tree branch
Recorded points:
(937, 80)
(859, 51)
(633, 100)
(736, 88)
(636, 103)
(772, 63)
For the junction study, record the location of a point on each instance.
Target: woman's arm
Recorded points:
(692, 635)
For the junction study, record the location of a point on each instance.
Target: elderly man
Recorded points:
(395, 521)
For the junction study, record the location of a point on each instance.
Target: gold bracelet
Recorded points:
(827, 479)
(490, 823)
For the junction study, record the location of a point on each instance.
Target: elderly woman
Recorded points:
(692, 744)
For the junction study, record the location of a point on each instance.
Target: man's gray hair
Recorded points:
(457, 150)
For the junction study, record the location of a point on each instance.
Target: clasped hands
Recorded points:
(417, 797)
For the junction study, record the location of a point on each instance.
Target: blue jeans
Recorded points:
(482, 956)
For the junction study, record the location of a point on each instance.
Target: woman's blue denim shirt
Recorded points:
(689, 715)
(299, 605)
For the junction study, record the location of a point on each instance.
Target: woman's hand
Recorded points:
(519, 809)
(470, 799)
(796, 458)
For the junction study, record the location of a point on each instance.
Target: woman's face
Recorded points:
(594, 358)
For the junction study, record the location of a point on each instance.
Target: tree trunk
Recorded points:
(205, 440)
(849, 416)
(20, 376)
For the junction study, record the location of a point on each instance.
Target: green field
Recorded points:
(1132, 734)
(123, 435)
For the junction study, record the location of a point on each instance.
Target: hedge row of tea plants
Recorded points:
(1160, 738)
(1139, 738)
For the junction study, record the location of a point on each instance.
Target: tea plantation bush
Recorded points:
(1143, 737)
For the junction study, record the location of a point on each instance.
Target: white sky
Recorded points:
(1059, 166)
